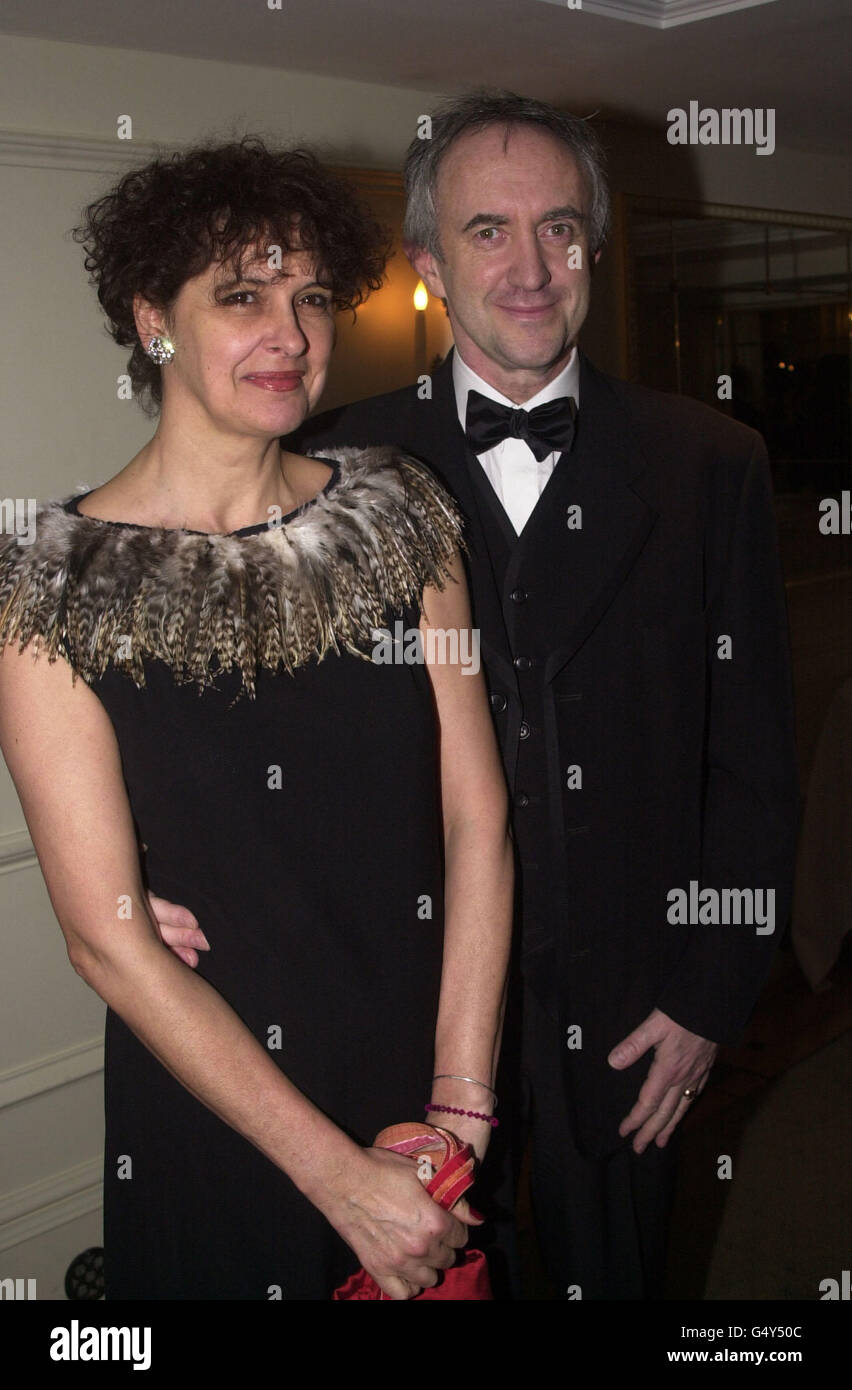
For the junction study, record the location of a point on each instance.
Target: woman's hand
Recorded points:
(179, 929)
(401, 1236)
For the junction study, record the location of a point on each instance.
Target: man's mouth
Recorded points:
(527, 311)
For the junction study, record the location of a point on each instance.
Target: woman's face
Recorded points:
(251, 354)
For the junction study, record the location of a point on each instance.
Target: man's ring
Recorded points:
(690, 1094)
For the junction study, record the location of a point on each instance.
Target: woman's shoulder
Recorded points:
(34, 567)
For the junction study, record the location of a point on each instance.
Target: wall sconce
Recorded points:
(421, 299)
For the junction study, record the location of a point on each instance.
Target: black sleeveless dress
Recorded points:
(284, 786)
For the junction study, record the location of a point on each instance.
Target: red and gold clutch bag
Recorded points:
(451, 1165)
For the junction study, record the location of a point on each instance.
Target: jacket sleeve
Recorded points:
(751, 788)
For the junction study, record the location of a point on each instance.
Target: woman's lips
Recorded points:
(275, 381)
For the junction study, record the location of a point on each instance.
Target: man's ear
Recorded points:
(150, 321)
(427, 266)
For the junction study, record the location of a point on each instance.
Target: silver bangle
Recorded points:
(450, 1076)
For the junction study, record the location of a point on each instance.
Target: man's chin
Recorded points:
(534, 357)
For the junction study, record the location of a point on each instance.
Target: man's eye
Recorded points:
(561, 229)
(488, 233)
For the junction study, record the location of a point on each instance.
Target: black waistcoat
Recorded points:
(532, 780)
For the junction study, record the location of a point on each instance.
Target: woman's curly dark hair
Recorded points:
(167, 222)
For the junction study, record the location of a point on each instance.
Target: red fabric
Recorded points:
(452, 1165)
(466, 1280)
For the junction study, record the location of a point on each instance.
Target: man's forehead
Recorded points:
(496, 163)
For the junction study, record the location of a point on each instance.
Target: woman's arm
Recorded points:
(479, 866)
(61, 750)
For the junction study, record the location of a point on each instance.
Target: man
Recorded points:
(625, 581)
(624, 578)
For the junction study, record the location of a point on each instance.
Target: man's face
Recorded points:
(513, 209)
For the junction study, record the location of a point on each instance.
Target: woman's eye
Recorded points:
(239, 297)
(315, 301)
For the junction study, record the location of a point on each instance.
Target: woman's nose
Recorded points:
(285, 333)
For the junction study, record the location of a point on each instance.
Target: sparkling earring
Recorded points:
(160, 350)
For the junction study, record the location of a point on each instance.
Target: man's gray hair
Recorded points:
(476, 111)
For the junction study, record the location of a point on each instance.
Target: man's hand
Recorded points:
(682, 1062)
(179, 929)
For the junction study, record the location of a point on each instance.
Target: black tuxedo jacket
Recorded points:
(648, 648)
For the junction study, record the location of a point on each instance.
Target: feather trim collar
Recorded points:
(102, 593)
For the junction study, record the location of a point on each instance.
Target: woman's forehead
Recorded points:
(265, 260)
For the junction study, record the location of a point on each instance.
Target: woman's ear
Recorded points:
(151, 322)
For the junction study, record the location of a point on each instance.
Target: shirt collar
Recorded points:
(465, 379)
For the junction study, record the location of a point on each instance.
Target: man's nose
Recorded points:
(529, 270)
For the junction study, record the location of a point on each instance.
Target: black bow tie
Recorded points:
(546, 428)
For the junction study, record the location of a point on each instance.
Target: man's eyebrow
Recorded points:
(485, 219)
(567, 211)
(499, 219)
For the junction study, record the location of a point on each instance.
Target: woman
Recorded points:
(203, 718)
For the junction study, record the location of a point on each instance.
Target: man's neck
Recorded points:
(518, 386)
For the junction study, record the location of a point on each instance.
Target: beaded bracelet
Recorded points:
(474, 1114)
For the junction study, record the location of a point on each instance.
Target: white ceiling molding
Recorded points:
(659, 14)
(31, 150)
(35, 151)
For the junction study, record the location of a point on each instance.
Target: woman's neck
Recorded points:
(219, 484)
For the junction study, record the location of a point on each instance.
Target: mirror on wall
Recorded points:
(750, 312)
(762, 299)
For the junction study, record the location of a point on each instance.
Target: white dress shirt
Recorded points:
(511, 467)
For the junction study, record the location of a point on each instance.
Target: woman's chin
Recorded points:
(278, 417)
